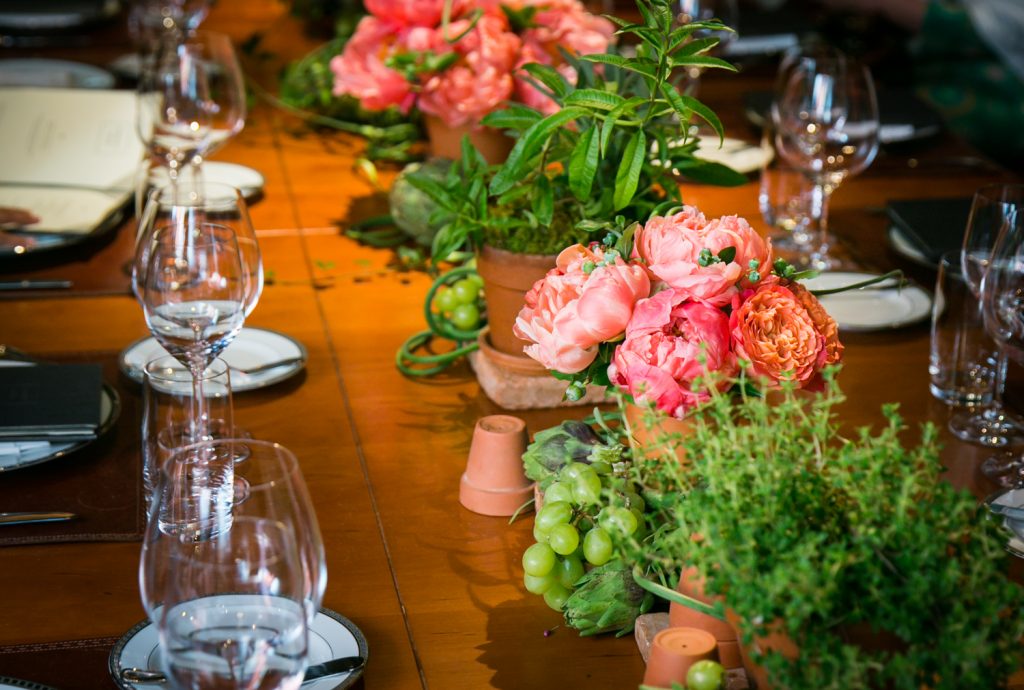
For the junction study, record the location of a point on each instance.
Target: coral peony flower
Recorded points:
(671, 247)
(362, 71)
(777, 334)
(569, 312)
(823, 322)
(671, 343)
(413, 12)
(558, 24)
(481, 80)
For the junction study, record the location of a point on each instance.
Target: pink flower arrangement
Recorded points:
(404, 55)
(712, 302)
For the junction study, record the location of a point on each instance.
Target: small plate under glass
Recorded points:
(875, 308)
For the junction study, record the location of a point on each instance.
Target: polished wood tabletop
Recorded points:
(436, 589)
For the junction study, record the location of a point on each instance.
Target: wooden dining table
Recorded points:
(436, 589)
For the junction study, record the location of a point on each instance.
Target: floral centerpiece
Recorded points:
(672, 311)
(458, 60)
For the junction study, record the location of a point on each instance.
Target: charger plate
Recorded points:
(330, 636)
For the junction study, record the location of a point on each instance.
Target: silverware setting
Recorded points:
(268, 366)
(34, 516)
(334, 667)
(11, 285)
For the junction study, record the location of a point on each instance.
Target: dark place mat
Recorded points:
(73, 665)
(932, 226)
(101, 483)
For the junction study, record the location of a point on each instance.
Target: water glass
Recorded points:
(784, 198)
(963, 357)
(169, 415)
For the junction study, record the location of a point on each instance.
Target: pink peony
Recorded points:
(569, 312)
(671, 247)
(559, 23)
(670, 344)
(413, 12)
(780, 337)
(480, 81)
(361, 70)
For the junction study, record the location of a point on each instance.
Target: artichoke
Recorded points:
(606, 599)
(570, 441)
(410, 207)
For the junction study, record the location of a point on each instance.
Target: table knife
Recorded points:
(9, 285)
(27, 518)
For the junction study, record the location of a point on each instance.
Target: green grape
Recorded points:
(555, 513)
(556, 596)
(466, 291)
(635, 500)
(446, 301)
(538, 560)
(475, 278)
(570, 570)
(597, 546)
(539, 585)
(539, 535)
(601, 467)
(619, 520)
(465, 316)
(572, 470)
(558, 491)
(586, 488)
(639, 517)
(563, 539)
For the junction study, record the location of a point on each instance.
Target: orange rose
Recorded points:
(823, 323)
(775, 332)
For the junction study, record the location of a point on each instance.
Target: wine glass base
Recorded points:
(1003, 469)
(992, 429)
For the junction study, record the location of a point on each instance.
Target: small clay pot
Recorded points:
(507, 278)
(652, 433)
(680, 615)
(674, 651)
(494, 482)
(520, 363)
(776, 640)
(446, 141)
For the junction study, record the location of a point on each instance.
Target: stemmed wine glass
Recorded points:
(229, 567)
(191, 100)
(202, 492)
(826, 125)
(994, 209)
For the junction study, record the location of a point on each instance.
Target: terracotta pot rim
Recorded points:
(520, 364)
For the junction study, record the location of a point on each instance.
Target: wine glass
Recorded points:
(826, 125)
(191, 100)
(995, 209)
(222, 574)
(206, 487)
(170, 209)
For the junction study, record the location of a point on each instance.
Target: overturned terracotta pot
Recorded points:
(494, 482)
(673, 652)
(692, 585)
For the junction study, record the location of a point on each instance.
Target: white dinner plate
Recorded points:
(739, 155)
(330, 636)
(875, 308)
(905, 248)
(243, 178)
(252, 347)
(17, 684)
(16, 455)
(65, 74)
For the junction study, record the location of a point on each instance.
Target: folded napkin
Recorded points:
(49, 402)
(932, 226)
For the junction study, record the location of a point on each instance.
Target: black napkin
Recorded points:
(932, 226)
(54, 402)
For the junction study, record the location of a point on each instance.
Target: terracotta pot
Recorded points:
(507, 278)
(651, 433)
(680, 615)
(518, 363)
(446, 141)
(777, 640)
(494, 482)
(673, 652)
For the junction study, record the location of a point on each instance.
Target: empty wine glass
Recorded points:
(995, 209)
(185, 212)
(222, 574)
(191, 100)
(205, 488)
(826, 123)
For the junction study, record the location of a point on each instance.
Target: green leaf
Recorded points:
(594, 98)
(529, 145)
(511, 195)
(438, 194)
(624, 246)
(543, 200)
(704, 61)
(583, 164)
(609, 122)
(628, 176)
(694, 47)
(515, 116)
(707, 172)
(549, 77)
(727, 255)
(682, 103)
(639, 65)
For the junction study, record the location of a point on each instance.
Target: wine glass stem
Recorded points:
(199, 414)
(818, 229)
(1000, 383)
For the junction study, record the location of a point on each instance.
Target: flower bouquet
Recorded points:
(457, 60)
(675, 308)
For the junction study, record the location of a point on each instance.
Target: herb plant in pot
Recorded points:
(583, 173)
(844, 562)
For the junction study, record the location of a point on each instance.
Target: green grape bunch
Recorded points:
(462, 303)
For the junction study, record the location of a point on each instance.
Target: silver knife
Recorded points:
(27, 518)
(345, 664)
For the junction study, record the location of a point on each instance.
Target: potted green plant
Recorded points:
(608, 157)
(845, 562)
